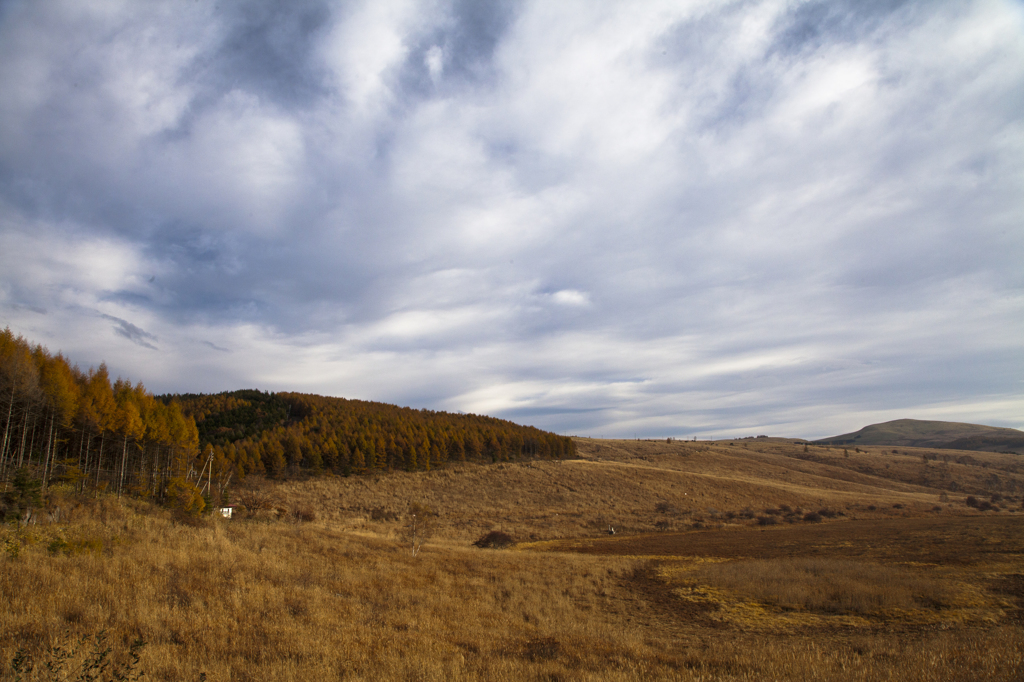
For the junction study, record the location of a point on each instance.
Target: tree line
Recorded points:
(275, 434)
(78, 428)
(64, 424)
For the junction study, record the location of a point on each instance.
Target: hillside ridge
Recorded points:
(934, 434)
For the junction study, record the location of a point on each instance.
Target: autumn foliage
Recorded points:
(77, 428)
(62, 424)
(282, 433)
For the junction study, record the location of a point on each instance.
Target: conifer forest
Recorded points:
(63, 425)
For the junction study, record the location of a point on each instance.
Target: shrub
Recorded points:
(665, 508)
(303, 513)
(897, 506)
(971, 501)
(23, 497)
(382, 514)
(766, 521)
(812, 517)
(73, 547)
(496, 539)
(184, 497)
(543, 648)
(77, 657)
(254, 500)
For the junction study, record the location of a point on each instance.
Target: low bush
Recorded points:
(303, 513)
(80, 660)
(381, 514)
(184, 498)
(496, 539)
(665, 508)
(812, 517)
(74, 547)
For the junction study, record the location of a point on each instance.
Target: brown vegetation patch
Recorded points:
(833, 586)
(340, 596)
(949, 540)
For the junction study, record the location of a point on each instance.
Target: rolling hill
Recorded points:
(933, 434)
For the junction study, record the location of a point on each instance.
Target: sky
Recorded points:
(615, 219)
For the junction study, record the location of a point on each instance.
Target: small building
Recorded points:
(227, 511)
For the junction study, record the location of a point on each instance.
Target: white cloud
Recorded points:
(667, 218)
(571, 297)
(365, 46)
(434, 61)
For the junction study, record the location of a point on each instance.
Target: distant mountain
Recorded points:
(931, 434)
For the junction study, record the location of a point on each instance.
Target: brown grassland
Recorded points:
(756, 559)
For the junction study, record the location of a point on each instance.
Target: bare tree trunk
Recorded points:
(24, 430)
(124, 457)
(48, 457)
(7, 431)
(99, 462)
(32, 443)
(81, 444)
(154, 471)
(85, 468)
(167, 472)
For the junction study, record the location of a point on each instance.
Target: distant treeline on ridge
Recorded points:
(275, 433)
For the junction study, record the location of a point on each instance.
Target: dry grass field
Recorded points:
(746, 560)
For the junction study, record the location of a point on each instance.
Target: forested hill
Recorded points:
(61, 425)
(273, 433)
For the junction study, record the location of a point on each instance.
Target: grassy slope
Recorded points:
(341, 597)
(620, 483)
(921, 433)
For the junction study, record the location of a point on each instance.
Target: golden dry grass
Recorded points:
(342, 597)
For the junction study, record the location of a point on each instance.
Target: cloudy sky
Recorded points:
(687, 218)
